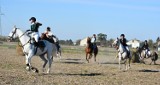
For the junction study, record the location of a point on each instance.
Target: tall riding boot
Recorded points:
(36, 44)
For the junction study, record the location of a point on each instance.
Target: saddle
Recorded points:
(40, 44)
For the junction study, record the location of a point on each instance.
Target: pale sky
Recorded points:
(77, 19)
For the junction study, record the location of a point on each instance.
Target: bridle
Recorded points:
(13, 33)
(115, 44)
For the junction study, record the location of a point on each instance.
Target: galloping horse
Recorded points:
(30, 49)
(122, 53)
(149, 54)
(90, 49)
(54, 40)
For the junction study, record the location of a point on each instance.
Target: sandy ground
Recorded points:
(72, 69)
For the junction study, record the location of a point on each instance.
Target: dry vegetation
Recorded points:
(72, 69)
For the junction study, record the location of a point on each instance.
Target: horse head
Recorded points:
(88, 40)
(13, 34)
(115, 43)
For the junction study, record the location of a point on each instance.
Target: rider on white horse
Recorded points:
(146, 48)
(34, 31)
(123, 42)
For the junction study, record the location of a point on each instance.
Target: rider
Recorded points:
(93, 41)
(48, 33)
(34, 29)
(146, 47)
(123, 42)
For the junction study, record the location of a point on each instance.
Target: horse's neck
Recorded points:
(22, 37)
(121, 47)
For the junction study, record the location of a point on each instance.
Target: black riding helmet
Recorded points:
(32, 18)
(123, 35)
(48, 28)
(94, 34)
(145, 41)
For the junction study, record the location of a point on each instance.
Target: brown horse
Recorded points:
(91, 48)
(44, 37)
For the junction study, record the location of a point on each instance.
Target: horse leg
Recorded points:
(45, 62)
(119, 63)
(142, 60)
(60, 53)
(50, 58)
(129, 62)
(125, 64)
(88, 56)
(154, 62)
(28, 64)
(95, 57)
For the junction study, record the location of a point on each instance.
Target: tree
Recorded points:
(69, 42)
(150, 43)
(66, 42)
(78, 42)
(109, 42)
(102, 38)
(158, 39)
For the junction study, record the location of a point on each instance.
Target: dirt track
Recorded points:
(72, 69)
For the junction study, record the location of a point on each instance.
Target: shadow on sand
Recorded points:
(144, 70)
(72, 59)
(109, 63)
(69, 74)
(72, 62)
(85, 74)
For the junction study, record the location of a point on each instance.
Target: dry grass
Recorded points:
(72, 69)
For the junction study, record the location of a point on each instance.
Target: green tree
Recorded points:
(102, 38)
(78, 42)
(150, 43)
(109, 42)
(158, 39)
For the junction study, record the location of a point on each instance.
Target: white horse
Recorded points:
(30, 49)
(122, 53)
(144, 54)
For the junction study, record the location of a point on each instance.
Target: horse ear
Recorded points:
(117, 38)
(14, 26)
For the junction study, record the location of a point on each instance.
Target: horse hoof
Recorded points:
(28, 68)
(35, 70)
(48, 71)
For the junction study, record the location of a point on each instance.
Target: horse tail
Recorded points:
(155, 56)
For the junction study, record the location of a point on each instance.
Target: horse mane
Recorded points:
(88, 40)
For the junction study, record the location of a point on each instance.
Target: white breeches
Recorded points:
(35, 35)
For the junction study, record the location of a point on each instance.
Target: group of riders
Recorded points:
(123, 41)
(145, 46)
(35, 33)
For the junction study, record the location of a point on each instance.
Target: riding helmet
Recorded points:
(32, 18)
(48, 28)
(123, 35)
